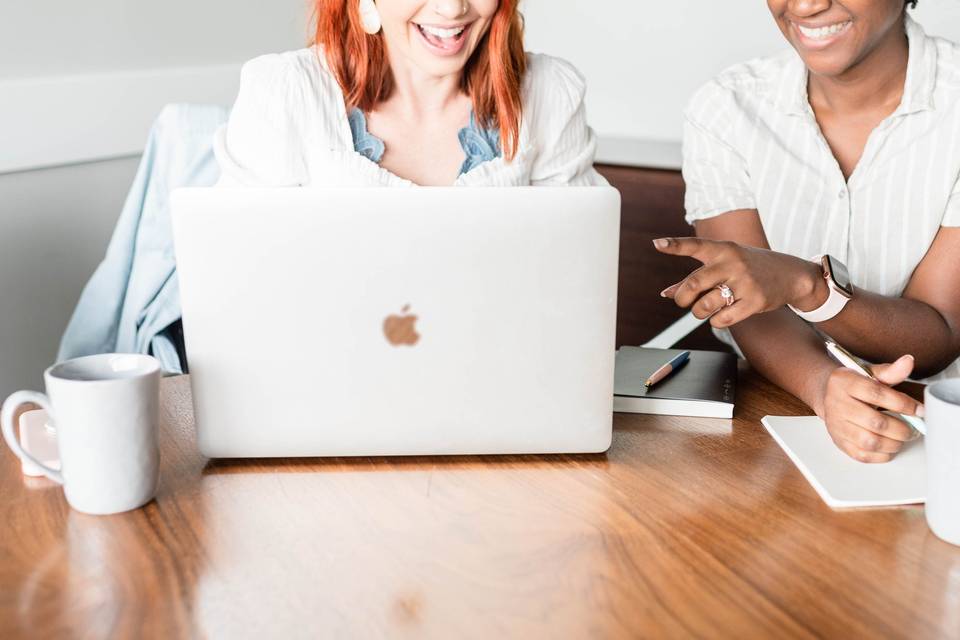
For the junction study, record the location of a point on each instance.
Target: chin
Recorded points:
(440, 67)
(832, 61)
(829, 63)
(828, 66)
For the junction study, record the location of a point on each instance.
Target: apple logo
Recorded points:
(400, 330)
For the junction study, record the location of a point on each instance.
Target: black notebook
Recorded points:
(705, 387)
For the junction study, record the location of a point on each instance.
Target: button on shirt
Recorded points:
(751, 141)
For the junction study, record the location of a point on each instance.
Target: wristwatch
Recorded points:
(838, 282)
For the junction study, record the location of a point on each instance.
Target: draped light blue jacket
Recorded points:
(134, 297)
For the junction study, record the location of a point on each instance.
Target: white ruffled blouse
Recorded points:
(289, 127)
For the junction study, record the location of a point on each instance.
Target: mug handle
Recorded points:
(10, 407)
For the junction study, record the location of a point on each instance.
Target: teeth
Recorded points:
(442, 33)
(823, 32)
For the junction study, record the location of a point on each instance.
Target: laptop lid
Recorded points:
(349, 322)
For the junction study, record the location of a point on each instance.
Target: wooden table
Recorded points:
(686, 528)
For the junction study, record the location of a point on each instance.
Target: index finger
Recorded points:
(700, 248)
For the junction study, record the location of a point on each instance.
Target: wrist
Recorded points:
(813, 290)
(819, 387)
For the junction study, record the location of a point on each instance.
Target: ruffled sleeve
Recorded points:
(261, 145)
(565, 144)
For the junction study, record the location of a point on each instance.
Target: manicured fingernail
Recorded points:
(661, 243)
(921, 411)
(663, 294)
(910, 356)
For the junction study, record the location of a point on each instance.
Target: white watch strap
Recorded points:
(835, 303)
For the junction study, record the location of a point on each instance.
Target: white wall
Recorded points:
(80, 82)
(63, 37)
(643, 59)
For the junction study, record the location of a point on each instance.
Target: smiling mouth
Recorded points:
(444, 40)
(825, 33)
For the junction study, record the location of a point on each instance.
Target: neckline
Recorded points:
(792, 90)
(479, 144)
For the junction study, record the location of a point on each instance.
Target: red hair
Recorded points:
(491, 77)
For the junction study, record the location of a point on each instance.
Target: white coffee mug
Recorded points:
(942, 403)
(104, 410)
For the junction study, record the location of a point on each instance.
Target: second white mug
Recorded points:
(942, 403)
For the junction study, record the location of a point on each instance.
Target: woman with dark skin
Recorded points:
(856, 56)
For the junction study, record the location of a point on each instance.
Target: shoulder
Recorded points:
(939, 56)
(948, 65)
(305, 66)
(756, 74)
(737, 85)
(285, 100)
(551, 78)
(555, 123)
(553, 94)
(291, 84)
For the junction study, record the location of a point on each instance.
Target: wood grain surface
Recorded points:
(687, 527)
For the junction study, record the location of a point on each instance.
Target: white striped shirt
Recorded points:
(751, 141)
(289, 127)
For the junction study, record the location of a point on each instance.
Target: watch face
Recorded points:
(839, 275)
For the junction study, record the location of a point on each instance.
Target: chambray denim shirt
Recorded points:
(133, 298)
(479, 145)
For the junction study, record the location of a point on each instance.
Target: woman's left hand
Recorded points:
(760, 280)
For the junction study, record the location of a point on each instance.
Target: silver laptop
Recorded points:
(426, 321)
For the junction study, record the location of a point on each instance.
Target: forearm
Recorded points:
(923, 322)
(881, 329)
(788, 352)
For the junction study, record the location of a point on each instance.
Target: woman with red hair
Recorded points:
(403, 92)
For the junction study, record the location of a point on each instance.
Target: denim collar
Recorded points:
(479, 144)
